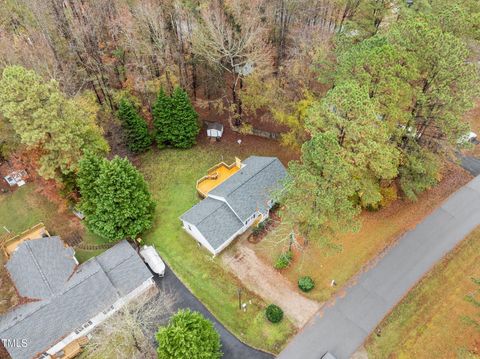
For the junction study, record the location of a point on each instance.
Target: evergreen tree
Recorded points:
(319, 193)
(188, 335)
(163, 118)
(349, 113)
(175, 120)
(185, 126)
(138, 138)
(115, 198)
(61, 129)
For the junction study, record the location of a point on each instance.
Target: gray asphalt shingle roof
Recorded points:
(35, 273)
(246, 192)
(93, 287)
(250, 189)
(215, 126)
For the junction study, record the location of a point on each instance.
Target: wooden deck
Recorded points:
(216, 175)
(37, 231)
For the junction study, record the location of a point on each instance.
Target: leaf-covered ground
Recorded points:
(428, 322)
(379, 230)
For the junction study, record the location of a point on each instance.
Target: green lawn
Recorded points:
(24, 208)
(171, 175)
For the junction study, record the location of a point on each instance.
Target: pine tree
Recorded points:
(162, 118)
(175, 120)
(115, 198)
(44, 119)
(185, 125)
(136, 130)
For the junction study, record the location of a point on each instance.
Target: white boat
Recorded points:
(152, 258)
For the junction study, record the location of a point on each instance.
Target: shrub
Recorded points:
(306, 284)
(274, 313)
(188, 335)
(389, 195)
(284, 260)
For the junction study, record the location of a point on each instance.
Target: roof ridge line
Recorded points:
(106, 273)
(223, 203)
(49, 299)
(42, 274)
(255, 175)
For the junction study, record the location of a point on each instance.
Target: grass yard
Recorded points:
(428, 322)
(171, 175)
(379, 229)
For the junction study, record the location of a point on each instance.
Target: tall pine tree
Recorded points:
(136, 130)
(175, 120)
(185, 125)
(59, 128)
(162, 118)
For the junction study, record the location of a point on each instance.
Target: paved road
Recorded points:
(231, 346)
(343, 325)
(471, 164)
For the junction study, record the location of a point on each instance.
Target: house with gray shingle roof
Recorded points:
(242, 200)
(62, 300)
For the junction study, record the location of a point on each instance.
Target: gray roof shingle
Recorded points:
(215, 126)
(93, 287)
(40, 268)
(246, 192)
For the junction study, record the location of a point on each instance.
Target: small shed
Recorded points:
(214, 129)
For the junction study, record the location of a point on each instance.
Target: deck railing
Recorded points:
(10, 239)
(210, 172)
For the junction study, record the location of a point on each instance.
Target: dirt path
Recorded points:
(266, 282)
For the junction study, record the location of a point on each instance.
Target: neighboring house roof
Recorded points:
(89, 289)
(215, 126)
(34, 273)
(245, 192)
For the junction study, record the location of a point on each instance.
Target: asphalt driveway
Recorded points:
(344, 323)
(231, 346)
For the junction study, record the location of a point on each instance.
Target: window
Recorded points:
(84, 326)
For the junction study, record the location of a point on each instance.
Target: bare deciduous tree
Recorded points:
(233, 38)
(129, 333)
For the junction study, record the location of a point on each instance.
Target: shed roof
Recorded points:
(93, 287)
(215, 126)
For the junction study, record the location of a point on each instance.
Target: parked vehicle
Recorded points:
(152, 258)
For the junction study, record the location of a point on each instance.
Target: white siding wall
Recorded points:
(214, 133)
(195, 233)
(100, 317)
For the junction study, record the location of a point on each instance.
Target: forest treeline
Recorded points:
(372, 91)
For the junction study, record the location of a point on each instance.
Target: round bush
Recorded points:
(306, 284)
(274, 313)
